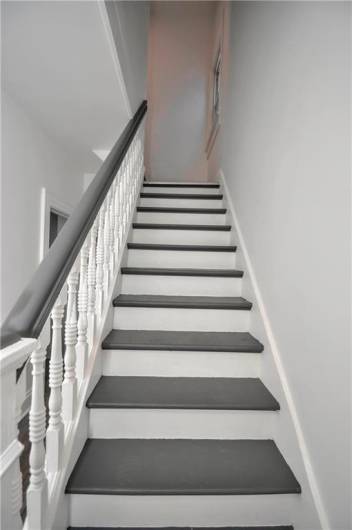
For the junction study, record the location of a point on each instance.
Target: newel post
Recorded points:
(11, 358)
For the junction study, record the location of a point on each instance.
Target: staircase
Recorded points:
(181, 428)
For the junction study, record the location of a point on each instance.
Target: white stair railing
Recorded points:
(79, 310)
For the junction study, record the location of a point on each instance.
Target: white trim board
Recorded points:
(277, 357)
(48, 202)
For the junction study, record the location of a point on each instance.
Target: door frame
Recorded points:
(48, 203)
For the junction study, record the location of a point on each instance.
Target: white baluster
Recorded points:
(82, 341)
(37, 493)
(100, 262)
(112, 228)
(91, 283)
(116, 218)
(55, 431)
(107, 246)
(120, 222)
(69, 385)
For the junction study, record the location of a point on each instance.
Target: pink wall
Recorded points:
(180, 65)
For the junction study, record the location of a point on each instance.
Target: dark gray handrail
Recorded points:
(32, 309)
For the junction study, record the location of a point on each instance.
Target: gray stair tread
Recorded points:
(166, 226)
(179, 185)
(206, 196)
(122, 339)
(154, 271)
(189, 302)
(181, 467)
(192, 248)
(171, 209)
(220, 393)
(184, 528)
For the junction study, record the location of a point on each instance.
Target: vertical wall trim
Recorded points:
(319, 505)
(114, 55)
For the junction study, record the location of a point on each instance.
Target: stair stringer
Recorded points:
(289, 435)
(77, 432)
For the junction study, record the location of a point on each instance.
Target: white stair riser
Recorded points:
(181, 285)
(181, 319)
(181, 218)
(181, 203)
(185, 510)
(165, 363)
(179, 258)
(181, 237)
(153, 423)
(190, 189)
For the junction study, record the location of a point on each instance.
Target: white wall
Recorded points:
(58, 62)
(130, 26)
(30, 160)
(63, 96)
(179, 66)
(286, 162)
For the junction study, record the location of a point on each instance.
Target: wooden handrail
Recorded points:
(32, 309)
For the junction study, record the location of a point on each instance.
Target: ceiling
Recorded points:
(58, 62)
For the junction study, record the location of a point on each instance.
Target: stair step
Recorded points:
(179, 185)
(165, 226)
(189, 302)
(119, 339)
(151, 271)
(183, 528)
(170, 209)
(182, 393)
(195, 248)
(181, 467)
(206, 196)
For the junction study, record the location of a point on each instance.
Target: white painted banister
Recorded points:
(81, 312)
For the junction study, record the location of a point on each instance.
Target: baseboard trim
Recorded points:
(313, 483)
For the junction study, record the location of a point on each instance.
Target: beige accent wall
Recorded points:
(180, 62)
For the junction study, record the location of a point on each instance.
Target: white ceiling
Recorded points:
(58, 62)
